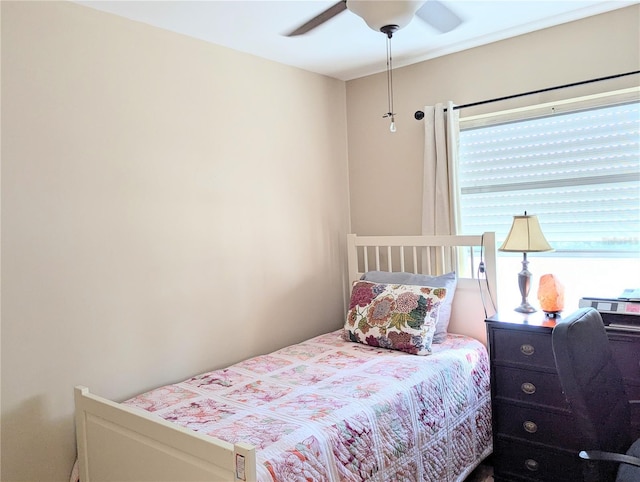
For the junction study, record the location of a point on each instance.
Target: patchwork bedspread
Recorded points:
(331, 410)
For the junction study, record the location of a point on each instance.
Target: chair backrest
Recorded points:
(592, 384)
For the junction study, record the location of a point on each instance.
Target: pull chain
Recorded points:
(390, 114)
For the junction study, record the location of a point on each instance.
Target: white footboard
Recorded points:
(119, 443)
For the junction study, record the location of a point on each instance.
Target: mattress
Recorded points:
(331, 410)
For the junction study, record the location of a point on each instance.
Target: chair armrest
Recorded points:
(609, 457)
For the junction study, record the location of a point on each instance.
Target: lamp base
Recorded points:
(525, 307)
(524, 278)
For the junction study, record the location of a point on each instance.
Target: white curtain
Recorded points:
(440, 198)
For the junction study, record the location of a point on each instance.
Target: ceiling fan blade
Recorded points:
(439, 16)
(318, 20)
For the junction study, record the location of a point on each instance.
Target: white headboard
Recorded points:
(473, 258)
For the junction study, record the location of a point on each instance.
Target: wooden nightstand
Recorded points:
(534, 436)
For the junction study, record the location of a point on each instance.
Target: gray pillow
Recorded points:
(448, 281)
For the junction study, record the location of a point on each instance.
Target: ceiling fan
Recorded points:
(387, 16)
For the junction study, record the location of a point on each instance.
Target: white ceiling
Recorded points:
(345, 47)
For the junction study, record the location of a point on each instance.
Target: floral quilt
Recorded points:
(331, 410)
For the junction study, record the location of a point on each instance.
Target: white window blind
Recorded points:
(578, 171)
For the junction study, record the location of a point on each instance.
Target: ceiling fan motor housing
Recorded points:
(388, 13)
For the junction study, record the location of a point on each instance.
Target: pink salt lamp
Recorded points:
(551, 294)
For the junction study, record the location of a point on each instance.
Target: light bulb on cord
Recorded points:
(392, 116)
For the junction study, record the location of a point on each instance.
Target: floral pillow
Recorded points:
(399, 317)
(448, 280)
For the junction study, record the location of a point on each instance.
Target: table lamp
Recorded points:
(525, 237)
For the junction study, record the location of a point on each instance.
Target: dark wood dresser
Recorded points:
(534, 436)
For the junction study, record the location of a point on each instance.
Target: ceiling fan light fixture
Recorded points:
(378, 14)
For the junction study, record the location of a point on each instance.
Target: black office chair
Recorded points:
(592, 384)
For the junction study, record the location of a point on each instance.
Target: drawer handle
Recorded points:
(530, 427)
(528, 388)
(531, 465)
(527, 349)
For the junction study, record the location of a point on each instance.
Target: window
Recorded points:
(576, 164)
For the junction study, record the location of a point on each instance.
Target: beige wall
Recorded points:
(386, 169)
(168, 207)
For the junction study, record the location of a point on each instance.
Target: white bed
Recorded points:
(137, 440)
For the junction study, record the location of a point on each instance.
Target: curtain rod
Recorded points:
(419, 115)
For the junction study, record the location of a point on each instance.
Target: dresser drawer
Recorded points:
(511, 346)
(528, 462)
(536, 425)
(530, 386)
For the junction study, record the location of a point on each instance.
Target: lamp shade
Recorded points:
(525, 236)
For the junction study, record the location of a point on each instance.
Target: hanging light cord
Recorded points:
(391, 114)
(389, 77)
